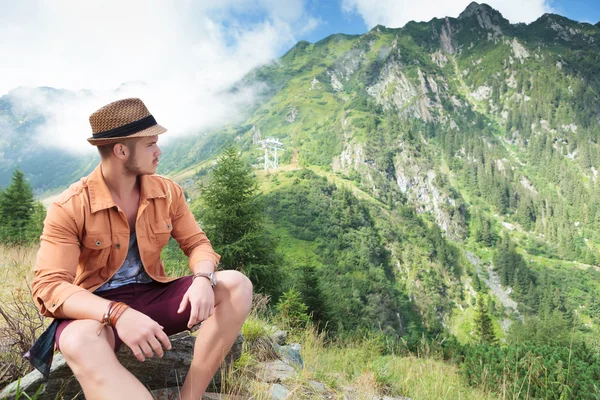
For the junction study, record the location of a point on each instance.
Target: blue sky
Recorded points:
(579, 10)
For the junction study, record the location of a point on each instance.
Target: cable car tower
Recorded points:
(271, 145)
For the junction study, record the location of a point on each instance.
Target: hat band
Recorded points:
(128, 129)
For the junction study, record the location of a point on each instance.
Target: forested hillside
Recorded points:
(487, 130)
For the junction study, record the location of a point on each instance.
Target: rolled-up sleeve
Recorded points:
(56, 263)
(192, 240)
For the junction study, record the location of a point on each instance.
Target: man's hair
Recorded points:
(106, 150)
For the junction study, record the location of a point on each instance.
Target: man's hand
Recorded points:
(142, 334)
(201, 297)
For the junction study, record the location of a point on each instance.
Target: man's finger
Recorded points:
(146, 349)
(156, 347)
(206, 313)
(138, 353)
(164, 339)
(193, 315)
(183, 303)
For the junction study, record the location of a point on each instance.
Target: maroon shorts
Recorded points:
(159, 301)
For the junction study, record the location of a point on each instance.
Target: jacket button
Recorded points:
(98, 243)
(118, 245)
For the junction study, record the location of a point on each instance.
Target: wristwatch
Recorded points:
(208, 275)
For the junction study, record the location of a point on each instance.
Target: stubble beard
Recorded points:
(131, 166)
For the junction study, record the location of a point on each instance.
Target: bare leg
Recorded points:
(233, 300)
(94, 363)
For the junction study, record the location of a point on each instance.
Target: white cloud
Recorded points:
(396, 13)
(187, 53)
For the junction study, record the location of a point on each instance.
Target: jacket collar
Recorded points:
(101, 198)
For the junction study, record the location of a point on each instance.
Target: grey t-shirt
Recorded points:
(132, 270)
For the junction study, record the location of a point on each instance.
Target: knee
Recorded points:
(78, 343)
(240, 287)
(246, 290)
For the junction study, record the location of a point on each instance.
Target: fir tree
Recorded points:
(16, 209)
(312, 296)
(292, 311)
(233, 220)
(484, 329)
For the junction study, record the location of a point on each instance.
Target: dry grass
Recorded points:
(20, 322)
(16, 269)
(357, 370)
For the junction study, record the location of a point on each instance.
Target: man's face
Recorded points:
(143, 156)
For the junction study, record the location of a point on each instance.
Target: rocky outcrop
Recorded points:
(429, 96)
(394, 90)
(447, 39)
(519, 51)
(314, 84)
(487, 18)
(526, 183)
(335, 82)
(482, 93)
(492, 281)
(292, 114)
(419, 187)
(565, 33)
(439, 58)
(256, 136)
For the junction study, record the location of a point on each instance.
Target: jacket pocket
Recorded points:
(161, 232)
(95, 250)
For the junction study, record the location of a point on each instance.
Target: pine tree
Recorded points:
(484, 329)
(292, 311)
(311, 292)
(16, 209)
(36, 223)
(233, 220)
(594, 305)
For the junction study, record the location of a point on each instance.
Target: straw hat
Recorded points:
(127, 118)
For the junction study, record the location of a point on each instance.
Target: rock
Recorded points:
(482, 93)
(166, 394)
(447, 39)
(336, 84)
(393, 90)
(173, 394)
(291, 354)
(318, 387)
(218, 396)
(275, 371)
(155, 373)
(279, 337)
(519, 51)
(278, 392)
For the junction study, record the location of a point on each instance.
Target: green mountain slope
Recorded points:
(427, 163)
(483, 128)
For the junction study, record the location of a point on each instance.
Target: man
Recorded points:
(99, 274)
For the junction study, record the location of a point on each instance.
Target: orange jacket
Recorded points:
(86, 237)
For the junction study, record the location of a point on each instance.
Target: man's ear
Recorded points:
(121, 151)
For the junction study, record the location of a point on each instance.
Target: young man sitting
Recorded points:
(99, 273)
